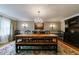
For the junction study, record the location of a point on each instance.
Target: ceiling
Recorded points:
(48, 12)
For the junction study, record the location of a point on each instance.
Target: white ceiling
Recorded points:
(48, 12)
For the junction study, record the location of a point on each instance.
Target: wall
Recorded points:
(56, 23)
(63, 26)
(21, 28)
(31, 25)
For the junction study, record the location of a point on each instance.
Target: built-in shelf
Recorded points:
(71, 34)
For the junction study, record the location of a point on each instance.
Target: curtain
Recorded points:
(0, 28)
(12, 29)
(5, 29)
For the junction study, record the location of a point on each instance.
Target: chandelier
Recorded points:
(38, 18)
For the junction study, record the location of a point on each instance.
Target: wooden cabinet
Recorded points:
(72, 21)
(71, 34)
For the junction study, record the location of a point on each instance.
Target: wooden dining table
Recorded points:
(36, 40)
(36, 35)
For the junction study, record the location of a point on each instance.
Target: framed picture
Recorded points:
(39, 26)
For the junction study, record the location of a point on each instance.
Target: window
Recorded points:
(4, 29)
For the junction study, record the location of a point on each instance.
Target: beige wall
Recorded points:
(56, 23)
(31, 25)
(63, 25)
(21, 28)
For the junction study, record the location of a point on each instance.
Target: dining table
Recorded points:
(36, 40)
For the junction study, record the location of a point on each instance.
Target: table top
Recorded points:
(36, 35)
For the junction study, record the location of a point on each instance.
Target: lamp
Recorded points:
(52, 26)
(24, 27)
(39, 25)
(38, 19)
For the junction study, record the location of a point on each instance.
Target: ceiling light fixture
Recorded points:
(38, 18)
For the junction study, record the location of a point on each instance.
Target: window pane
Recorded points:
(5, 29)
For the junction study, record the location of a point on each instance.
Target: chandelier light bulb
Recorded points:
(38, 19)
